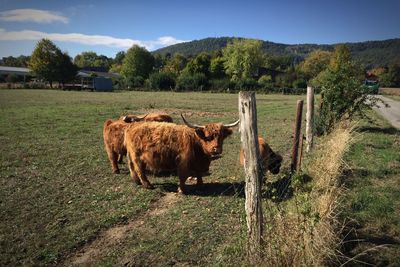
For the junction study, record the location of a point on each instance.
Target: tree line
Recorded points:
(242, 64)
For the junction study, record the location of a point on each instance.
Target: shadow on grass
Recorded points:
(355, 235)
(207, 189)
(277, 191)
(373, 129)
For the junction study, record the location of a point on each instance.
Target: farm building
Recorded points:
(85, 79)
(4, 70)
(96, 80)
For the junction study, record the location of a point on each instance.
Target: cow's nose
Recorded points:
(216, 150)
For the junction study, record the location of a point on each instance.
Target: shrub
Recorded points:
(246, 84)
(161, 81)
(342, 91)
(300, 83)
(222, 85)
(189, 82)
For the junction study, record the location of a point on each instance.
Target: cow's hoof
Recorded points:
(148, 186)
(137, 182)
(181, 191)
(116, 171)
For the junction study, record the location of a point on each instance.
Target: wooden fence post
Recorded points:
(296, 139)
(310, 119)
(253, 173)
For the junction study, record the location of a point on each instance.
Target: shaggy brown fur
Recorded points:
(169, 147)
(270, 160)
(113, 135)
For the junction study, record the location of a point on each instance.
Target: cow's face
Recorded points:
(212, 137)
(274, 161)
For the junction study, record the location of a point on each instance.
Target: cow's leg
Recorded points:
(183, 175)
(120, 158)
(132, 171)
(199, 180)
(112, 157)
(140, 171)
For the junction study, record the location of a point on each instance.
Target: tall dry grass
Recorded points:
(304, 230)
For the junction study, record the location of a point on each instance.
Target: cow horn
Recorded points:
(141, 118)
(194, 126)
(232, 124)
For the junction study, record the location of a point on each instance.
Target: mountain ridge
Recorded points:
(369, 53)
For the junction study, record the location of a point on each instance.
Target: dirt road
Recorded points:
(392, 113)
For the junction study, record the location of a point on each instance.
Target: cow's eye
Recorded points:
(210, 138)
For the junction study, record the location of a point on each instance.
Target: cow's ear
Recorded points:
(227, 132)
(200, 133)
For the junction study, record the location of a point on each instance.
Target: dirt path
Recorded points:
(392, 113)
(94, 251)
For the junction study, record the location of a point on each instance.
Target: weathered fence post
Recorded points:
(253, 173)
(296, 139)
(300, 152)
(310, 118)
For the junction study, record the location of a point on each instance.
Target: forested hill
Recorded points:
(370, 53)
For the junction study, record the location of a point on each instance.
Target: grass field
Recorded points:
(372, 203)
(58, 194)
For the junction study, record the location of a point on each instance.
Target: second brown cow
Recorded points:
(270, 160)
(113, 135)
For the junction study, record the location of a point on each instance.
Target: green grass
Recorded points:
(373, 199)
(57, 192)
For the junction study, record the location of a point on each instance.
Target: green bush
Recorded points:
(189, 82)
(300, 83)
(222, 85)
(161, 81)
(342, 91)
(246, 84)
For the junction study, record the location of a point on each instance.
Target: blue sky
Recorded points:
(107, 27)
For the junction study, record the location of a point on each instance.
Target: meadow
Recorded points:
(61, 205)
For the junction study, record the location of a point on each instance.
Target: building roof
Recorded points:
(14, 70)
(89, 73)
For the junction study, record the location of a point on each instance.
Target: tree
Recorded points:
(119, 58)
(342, 91)
(45, 61)
(137, 62)
(217, 70)
(21, 61)
(199, 64)
(242, 58)
(91, 59)
(66, 69)
(316, 62)
(175, 64)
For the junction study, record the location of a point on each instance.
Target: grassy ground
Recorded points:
(372, 203)
(57, 192)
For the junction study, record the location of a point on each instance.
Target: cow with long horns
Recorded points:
(166, 147)
(113, 135)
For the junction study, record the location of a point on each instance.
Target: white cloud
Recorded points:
(35, 15)
(86, 39)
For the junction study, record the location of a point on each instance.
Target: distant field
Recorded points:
(58, 193)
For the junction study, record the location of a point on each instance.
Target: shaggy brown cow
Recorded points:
(113, 135)
(187, 149)
(160, 117)
(270, 160)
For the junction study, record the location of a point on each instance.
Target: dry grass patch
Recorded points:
(303, 231)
